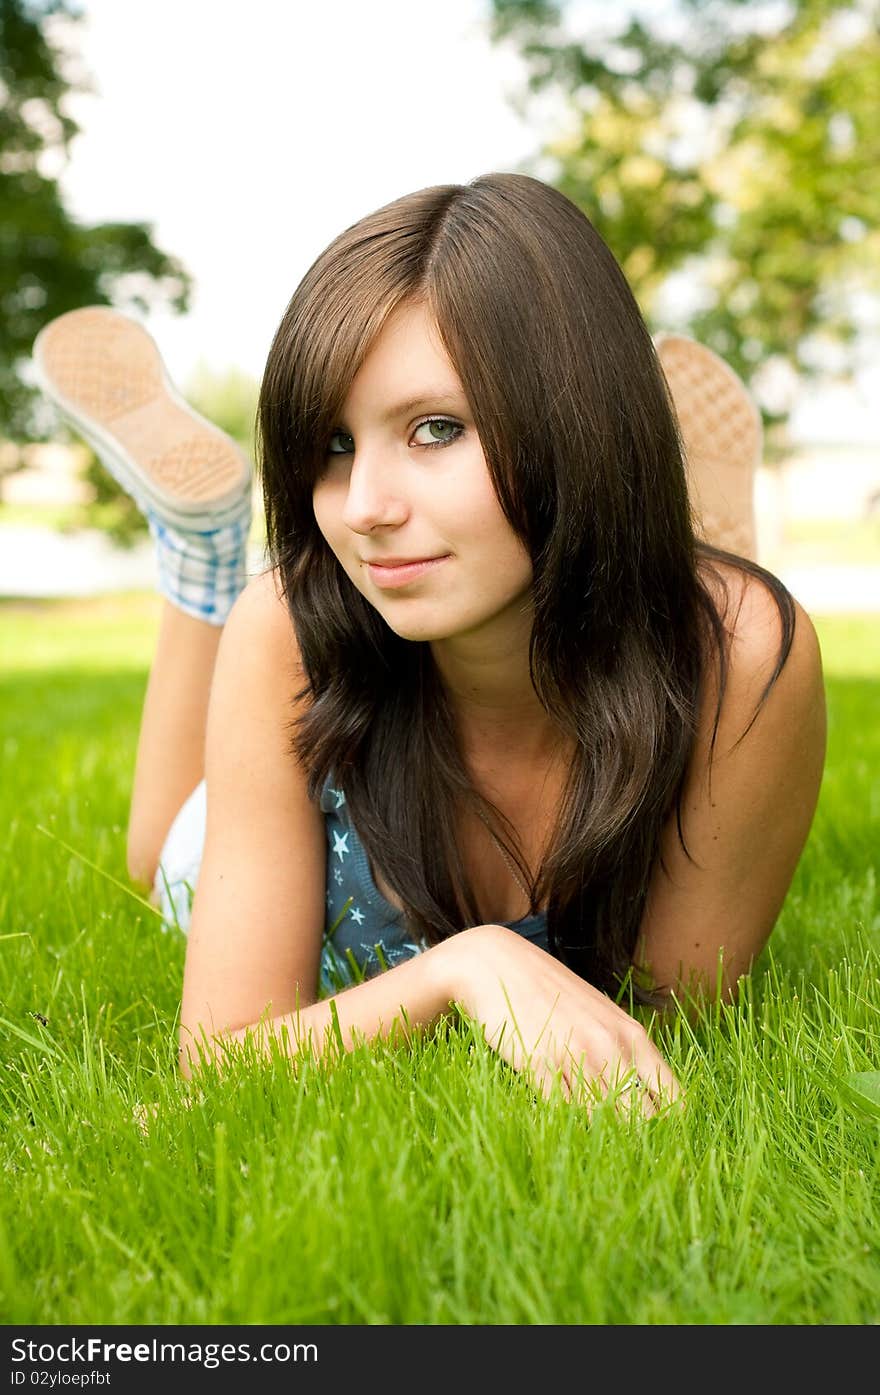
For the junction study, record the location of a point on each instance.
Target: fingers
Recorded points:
(543, 1065)
(646, 1068)
(634, 1097)
(612, 1057)
(577, 1084)
(549, 1077)
(656, 1075)
(644, 1084)
(631, 1094)
(627, 1094)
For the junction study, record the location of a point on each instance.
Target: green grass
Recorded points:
(423, 1185)
(830, 542)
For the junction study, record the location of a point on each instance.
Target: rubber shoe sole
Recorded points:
(722, 437)
(104, 373)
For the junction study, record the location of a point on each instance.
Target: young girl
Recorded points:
(492, 714)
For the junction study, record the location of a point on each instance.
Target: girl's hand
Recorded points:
(547, 1021)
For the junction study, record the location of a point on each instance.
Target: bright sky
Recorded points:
(249, 134)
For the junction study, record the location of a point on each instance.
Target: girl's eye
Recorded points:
(437, 431)
(341, 443)
(440, 432)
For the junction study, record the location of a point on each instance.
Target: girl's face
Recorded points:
(406, 478)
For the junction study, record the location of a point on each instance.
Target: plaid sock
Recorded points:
(202, 573)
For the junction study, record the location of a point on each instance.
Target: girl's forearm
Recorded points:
(413, 994)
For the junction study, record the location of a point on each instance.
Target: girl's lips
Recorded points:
(399, 576)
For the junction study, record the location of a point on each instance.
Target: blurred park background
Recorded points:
(186, 163)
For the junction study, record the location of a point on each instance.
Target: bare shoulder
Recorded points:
(262, 600)
(260, 623)
(260, 684)
(754, 625)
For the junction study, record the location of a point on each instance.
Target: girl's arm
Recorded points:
(746, 811)
(540, 1017)
(258, 914)
(258, 910)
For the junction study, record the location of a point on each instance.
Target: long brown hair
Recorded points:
(582, 446)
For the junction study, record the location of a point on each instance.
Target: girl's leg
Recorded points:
(104, 373)
(170, 755)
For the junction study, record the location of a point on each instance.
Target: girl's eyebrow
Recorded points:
(443, 394)
(452, 396)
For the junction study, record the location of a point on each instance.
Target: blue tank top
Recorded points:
(371, 934)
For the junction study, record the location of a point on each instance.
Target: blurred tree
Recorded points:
(729, 153)
(49, 263)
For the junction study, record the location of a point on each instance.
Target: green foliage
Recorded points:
(49, 263)
(733, 142)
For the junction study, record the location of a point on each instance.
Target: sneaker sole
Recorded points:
(104, 373)
(722, 435)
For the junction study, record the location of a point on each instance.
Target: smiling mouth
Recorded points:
(384, 574)
(394, 562)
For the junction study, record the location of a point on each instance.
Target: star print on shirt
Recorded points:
(357, 915)
(340, 797)
(340, 844)
(337, 876)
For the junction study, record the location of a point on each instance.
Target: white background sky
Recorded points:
(248, 133)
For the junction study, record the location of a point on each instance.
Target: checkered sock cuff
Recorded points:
(202, 573)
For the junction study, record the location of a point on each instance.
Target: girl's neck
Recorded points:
(522, 738)
(497, 712)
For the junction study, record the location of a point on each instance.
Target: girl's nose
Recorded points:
(373, 496)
